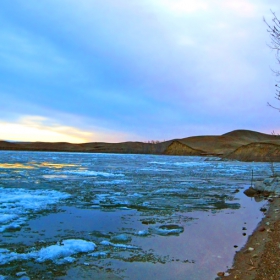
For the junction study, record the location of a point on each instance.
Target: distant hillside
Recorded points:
(257, 152)
(177, 148)
(227, 143)
(242, 145)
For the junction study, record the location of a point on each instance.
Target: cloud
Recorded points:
(182, 7)
(38, 128)
(124, 70)
(241, 8)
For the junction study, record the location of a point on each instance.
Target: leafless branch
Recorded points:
(274, 31)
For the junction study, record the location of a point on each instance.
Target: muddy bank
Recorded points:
(259, 259)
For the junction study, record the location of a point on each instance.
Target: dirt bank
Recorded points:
(260, 258)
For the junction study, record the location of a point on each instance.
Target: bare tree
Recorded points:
(274, 32)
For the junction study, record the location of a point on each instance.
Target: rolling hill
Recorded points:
(244, 145)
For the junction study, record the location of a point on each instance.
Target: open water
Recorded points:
(111, 216)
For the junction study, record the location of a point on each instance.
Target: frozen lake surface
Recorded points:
(110, 216)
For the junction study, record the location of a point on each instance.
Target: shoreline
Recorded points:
(259, 259)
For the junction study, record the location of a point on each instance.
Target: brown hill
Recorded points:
(257, 152)
(227, 143)
(237, 144)
(177, 148)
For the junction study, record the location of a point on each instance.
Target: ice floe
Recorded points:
(93, 173)
(59, 253)
(117, 245)
(17, 204)
(143, 233)
(121, 238)
(168, 230)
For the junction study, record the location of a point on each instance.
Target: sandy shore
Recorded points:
(259, 259)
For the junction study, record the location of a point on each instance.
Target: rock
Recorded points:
(263, 209)
(261, 229)
(266, 194)
(251, 192)
(220, 273)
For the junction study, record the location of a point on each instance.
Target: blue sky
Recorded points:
(118, 70)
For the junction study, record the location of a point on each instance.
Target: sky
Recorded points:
(135, 70)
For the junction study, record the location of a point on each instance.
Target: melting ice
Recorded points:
(147, 214)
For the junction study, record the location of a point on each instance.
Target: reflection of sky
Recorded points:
(33, 165)
(121, 70)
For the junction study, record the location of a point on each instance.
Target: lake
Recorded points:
(112, 216)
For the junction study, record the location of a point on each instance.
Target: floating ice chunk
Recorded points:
(123, 246)
(65, 260)
(98, 254)
(156, 169)
(168, 230)
(3, 250)
(59, 253)
(171, 190)
(93, 173)
(4, 218)
(21, 273)
(135, 195)
(143, 232)
(17, 203)
(158, 162)
(55, 177)
(121, 238)
(67, 248)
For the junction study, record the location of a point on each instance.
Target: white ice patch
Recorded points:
(168, 191)
(16, 204)
(155, 169)
(122, 246)
(135, 195)
(112, 182)
(55, 177)
(158, 162)
(98, 254)
(93, 173)
(5, 218)
(168, 230)
(143, 232)
(59, 253)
